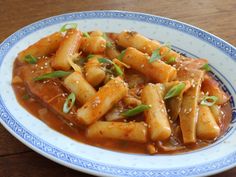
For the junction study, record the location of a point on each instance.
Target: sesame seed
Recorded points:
(185, 110)
(96, 102)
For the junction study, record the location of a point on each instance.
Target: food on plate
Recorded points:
(121, 91)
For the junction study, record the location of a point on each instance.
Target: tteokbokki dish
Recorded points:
(121, 91)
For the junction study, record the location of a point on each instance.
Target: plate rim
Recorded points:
(4, 111)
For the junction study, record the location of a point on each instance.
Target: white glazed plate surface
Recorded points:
(187, 39)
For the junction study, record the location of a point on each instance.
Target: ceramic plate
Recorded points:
(185, 38)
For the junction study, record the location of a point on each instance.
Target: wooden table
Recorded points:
(215, 16)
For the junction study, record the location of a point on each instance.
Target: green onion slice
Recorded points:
(175, 90)
(117, 68)
(86, 34)
(104, 60)
(171, 60)
(209, 100)
(134, 111)
(206, 67)
(54, 74)
(68, 26)
(156, 53)
(104, 35)
(122, 54)
(108, 43)
(69, 103)
(30, 59)
(90, 56)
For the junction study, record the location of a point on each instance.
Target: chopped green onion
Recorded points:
(90, 56)
(86, 34)
(175, 90)
(30, 59)
(134, 111)
(117, 68)
(209, 100)
(26, 97)
(156, 53)
(108, 43)
(69, 103)
(122, 54)
(171, 60)
(104, 35)
(68, 26)
(54, 74)
(105, 60)
(206, 67)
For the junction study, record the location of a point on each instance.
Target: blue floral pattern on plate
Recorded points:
(66, 158)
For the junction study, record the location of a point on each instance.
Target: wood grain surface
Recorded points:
(215, 16)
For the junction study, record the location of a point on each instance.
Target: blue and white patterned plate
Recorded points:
(190, 40)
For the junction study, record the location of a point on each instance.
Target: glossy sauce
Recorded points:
(78, 134)
(55, 121)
